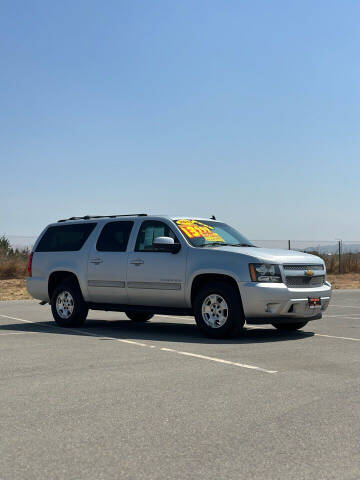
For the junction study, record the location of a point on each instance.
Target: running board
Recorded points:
(117, 307)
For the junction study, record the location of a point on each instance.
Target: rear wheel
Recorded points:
(139, 316)
(289, 327)
(218, 310)
(68, 306)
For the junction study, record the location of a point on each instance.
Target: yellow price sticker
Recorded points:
(197, 229)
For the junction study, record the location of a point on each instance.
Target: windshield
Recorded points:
(202, 233)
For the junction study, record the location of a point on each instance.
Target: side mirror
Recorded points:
(166, 244)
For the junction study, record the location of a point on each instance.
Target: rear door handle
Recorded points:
(137, 262)
(96, 261)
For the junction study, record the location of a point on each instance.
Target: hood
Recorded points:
(270, 255)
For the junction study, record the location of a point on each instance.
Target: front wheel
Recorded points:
(139, 316)
(289, 327)
(68, 306)
(218, 310)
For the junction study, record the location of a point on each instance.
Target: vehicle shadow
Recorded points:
(157, 331)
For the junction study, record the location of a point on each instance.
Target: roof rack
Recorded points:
(89, 217)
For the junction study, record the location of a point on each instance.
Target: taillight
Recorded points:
(29, 265)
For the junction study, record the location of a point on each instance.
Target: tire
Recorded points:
(68, 306)
(289, 327)
(139, 316)
(210, 315)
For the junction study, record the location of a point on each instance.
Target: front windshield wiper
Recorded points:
(241, 245)
(215, 244)
(223, 244)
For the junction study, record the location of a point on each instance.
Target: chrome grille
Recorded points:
(305, 282)
(303, 267)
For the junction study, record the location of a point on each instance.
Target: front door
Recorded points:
(156, 278)
(108, 263)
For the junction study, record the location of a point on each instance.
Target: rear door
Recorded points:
(155, 277)
(107, 263)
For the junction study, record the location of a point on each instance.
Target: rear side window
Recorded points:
(114, 237)
(65, 238)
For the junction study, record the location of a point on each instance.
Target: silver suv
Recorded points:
(144, 265)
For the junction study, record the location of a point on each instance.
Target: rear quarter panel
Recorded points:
(45, 263)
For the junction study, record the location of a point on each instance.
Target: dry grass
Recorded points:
(13, 267)
(13, 263)
(14, 289)
(350, 262)
(347, 280)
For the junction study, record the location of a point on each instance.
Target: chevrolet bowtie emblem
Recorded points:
(309, 273)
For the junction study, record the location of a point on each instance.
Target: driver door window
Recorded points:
(150, 230)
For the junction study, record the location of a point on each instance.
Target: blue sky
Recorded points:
(248, 110)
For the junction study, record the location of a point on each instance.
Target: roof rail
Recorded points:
(89, 217)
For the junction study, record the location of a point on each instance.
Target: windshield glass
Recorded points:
(202, 233)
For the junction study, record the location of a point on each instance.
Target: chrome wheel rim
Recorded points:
(214, 311)
(64, 304)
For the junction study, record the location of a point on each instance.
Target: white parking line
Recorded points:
(344, 306)
(192, 320)
(315, 334)
(132, 342)
(15, 318)
(17, 333)
(341, 338)
(220, 360)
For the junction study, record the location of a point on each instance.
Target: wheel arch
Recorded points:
(202, 279)
(59, 276)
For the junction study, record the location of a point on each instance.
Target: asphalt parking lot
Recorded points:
(118, 400)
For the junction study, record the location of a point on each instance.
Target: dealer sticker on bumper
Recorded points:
(314, 302)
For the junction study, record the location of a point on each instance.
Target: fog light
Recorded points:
(272, 307)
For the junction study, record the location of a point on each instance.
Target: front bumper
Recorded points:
(272, 302)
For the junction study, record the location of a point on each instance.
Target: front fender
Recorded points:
(209, 271)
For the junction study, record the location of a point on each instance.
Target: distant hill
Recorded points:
(334, 248)
(17, 241)
(325, 248)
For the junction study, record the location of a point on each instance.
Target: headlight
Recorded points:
(264, 272)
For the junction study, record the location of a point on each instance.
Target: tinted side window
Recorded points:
(149, 230)
(114, 237)
(65, 238)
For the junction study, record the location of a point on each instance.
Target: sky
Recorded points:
(247, 110)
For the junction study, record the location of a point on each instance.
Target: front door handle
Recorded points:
(96, 261)
(137, 262)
